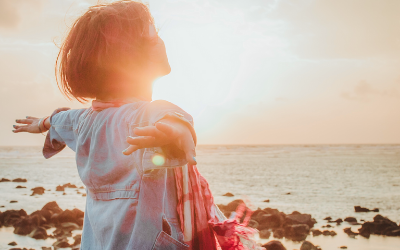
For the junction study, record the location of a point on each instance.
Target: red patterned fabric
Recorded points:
(210, 231)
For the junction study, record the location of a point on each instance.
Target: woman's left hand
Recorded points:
(31, 125)
(163, 133)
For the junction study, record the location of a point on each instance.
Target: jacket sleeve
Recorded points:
(62, 131)
(170, 156)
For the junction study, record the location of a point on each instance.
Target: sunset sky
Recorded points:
(249, 71)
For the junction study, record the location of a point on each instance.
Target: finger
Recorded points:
(31, 117)
(19, 129)
(130, 149)
(190, 150)
(24, 121)
(167, 129)
(147, 131)
(142, 141)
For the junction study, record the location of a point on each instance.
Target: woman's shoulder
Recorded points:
(161, 105)
(157, 109)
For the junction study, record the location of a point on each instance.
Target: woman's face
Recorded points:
(158, 56)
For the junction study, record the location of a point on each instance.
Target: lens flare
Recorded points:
(158, 160)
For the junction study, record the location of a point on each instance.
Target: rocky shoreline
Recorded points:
(36, 224)
(269, 222)
(297, 226)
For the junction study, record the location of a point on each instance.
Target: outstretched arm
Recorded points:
(34, 125)
(167, 131)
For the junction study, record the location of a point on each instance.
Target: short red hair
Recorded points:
(102, 41)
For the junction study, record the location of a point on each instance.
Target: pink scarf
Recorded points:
(204, 227)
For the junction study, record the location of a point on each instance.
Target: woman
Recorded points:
(126, 145)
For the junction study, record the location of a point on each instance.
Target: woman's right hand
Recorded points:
(31, 125)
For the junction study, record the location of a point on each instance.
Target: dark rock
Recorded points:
(37, 218)
(69, 185)
(45, 213)
(60, 188)
(9, 217)
(46, 248)
(267, 221)
(19, 180)
(316, 232)
(228, 194)
(4, 180)
(37, 190)
(265, 200)
(365, 229)
(77, 239)
(348, 231)
(20, 186)
(288, 193)
(13, 201)
(79, 221)
(253, 224)
(383, 220)
(297, 232)
(274, 245)
(62, 243)
(306, 245)
(265, 234)
(69, 226)
(60, 233)
(380, 226)
(350, 219)
(338, 221)
(271, 210)
(293, 219)
(12, 243)
(66, 216)
(328, 218)
(53, 207)
(231, 207)
(343, 247)
(279, 233)
(359, 209)
(394, 232)
(23, 226)
(78, 213)
(39, 233)
(326, 232)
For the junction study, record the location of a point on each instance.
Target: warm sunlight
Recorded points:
(200, 124)
(237, 66)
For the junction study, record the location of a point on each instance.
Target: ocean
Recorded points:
(321, 180)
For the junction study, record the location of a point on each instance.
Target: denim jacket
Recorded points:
(131, 201)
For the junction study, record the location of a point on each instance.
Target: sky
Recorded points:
(249, 72)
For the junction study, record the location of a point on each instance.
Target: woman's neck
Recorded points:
(142, 92)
